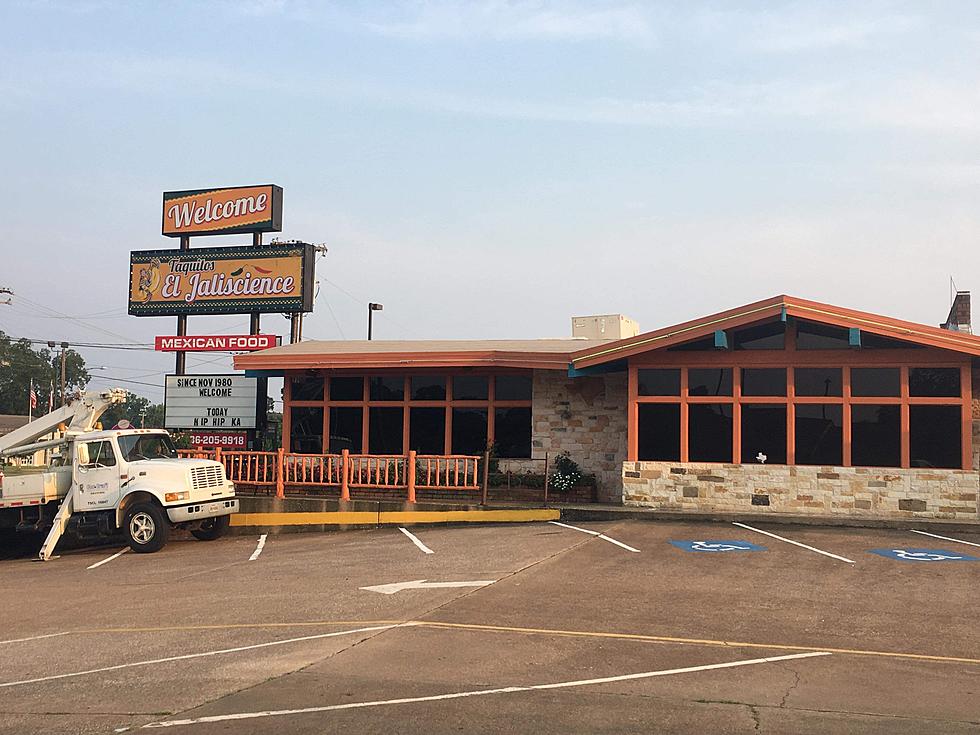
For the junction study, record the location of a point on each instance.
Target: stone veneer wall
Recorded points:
(858, 491)
(585, 417)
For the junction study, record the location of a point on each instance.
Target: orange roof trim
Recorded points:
(761, 310)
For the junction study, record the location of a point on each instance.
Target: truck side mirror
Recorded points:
(82, 454)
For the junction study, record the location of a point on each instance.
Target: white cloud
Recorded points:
(517, 19)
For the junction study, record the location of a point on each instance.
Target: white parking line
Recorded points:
(107, 560)
(34, 637)
(187, 656)
(944, 538)
(603, 536)
(425, 549)
(258, 548)
(478, 692)
(795, 543)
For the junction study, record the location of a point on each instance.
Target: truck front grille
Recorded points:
(204, 477)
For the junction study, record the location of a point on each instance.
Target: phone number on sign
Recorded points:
(218, 440)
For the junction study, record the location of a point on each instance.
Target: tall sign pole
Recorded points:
(261, 400)
(180, 368)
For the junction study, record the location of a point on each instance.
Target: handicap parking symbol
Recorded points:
(717, 546)
(923, 555)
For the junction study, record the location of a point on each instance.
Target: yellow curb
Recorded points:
(352, 518)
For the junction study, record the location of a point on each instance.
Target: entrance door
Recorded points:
(98, 478)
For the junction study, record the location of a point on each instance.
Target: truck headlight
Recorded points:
(174, 497)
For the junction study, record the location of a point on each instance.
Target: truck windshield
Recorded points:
(146, 446)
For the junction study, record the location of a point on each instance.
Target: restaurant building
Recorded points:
(783, 405)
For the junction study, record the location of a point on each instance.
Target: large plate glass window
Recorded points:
(763, 432)
(876, 435)
(427, 430)
(385, 430)
(346, 423)
(659, 432)
(710, 432)
(512, 432)
(934, 436)
(819, 434)
(306, 429)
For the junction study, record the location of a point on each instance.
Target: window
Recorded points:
(709, 381)
(470, 388)
(306, 429)
(387, 388)
(811, 336)
(698, 345)
(763, 432)
(385, 430)
(710, 432)
(818, 381)
(100, 454)
(876, 435)
(885, 382)
(512, 388)
(427, 430)
(512, 432)
(763, 381)
(347, 389)
(469, 430)
(305, 388)
(875, 342)
(934, 382)
(135, 447)
(771, 336)
(346, 423)
(428, 388)
(657, 382)
(819, 434)
(660, 432)
(934, 436)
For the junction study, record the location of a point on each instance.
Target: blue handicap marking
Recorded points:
(923, 555)
(717, 546)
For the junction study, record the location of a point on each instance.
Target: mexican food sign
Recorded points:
(222, 211)
(235, 280)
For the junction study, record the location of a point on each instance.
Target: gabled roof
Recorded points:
(775, 307)
(546, 354)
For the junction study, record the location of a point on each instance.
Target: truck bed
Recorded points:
(34, 487)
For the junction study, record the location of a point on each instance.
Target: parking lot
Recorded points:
(654, 627)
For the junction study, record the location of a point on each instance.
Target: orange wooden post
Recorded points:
(483, 484)
(280, 480)
(345, 474)
(410, 472)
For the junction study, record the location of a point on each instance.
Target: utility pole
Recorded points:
(64, 346)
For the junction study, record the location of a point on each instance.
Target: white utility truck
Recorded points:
(101, 481)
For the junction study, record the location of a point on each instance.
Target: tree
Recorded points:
(137, 410)
(20, 363)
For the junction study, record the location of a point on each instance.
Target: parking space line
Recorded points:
(603, 536)
(795, 543)
(258, 548)
(415, 540)
(479, 692)
(945, 538)
(107, 560)
(35, 637)
(203, 654)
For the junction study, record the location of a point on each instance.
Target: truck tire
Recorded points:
(212, 528)
(147, 528)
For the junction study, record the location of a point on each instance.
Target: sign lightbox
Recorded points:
(225, 402)
(235, 280)
(223, 211)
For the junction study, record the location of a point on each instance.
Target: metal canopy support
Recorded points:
(854, 337)
(721, 339)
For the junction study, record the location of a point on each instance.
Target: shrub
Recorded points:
(567, 474)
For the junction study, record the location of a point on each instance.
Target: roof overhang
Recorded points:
(403, 360)
(779, 307)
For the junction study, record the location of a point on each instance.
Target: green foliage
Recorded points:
(132, 410)
(20, 362)
(567, 474)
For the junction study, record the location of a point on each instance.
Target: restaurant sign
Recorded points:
(222, 211)
(235, 280)
(225, 402)
(217, 343)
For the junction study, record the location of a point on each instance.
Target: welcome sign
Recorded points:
(235, 280)
(222, 211)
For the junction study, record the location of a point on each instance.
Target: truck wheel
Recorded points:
(147, 528)
(211, 528)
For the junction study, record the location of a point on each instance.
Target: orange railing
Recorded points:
(362, 471)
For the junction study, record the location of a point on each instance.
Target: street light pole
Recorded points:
(64, 346)
(372, 307)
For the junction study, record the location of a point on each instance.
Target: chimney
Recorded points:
(959, 314)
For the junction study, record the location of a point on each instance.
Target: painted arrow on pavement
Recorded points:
(421, 584)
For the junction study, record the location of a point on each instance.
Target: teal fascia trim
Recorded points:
(618, 366)
(265, 374)
(721, 340)
(854, 337)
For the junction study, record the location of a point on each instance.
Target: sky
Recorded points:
(489, 169)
